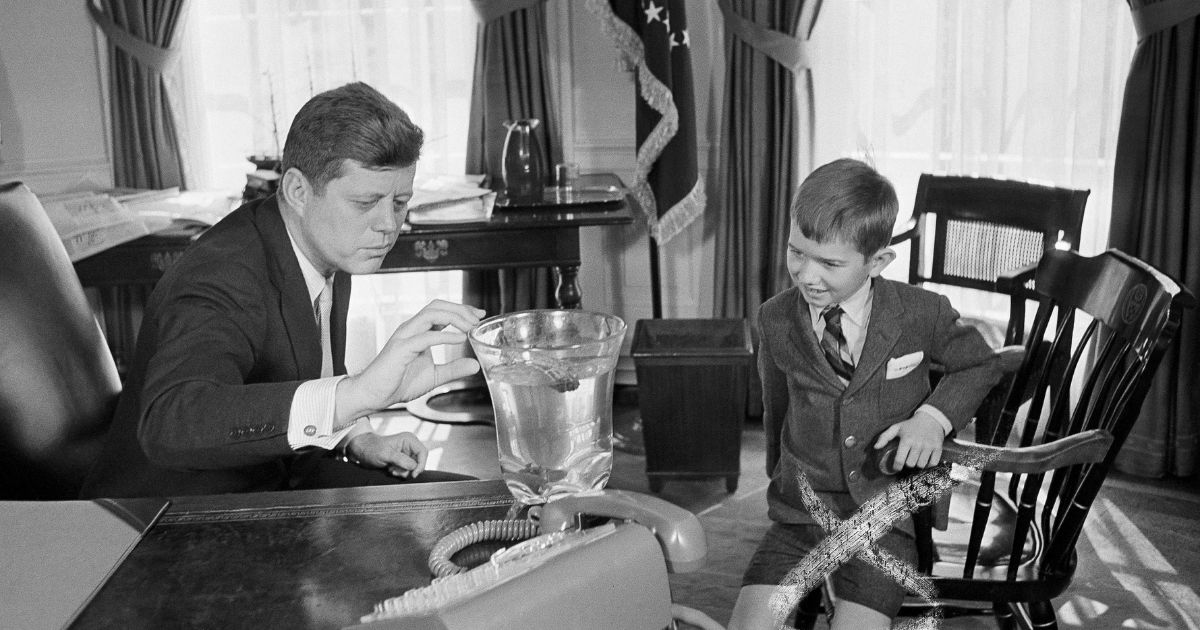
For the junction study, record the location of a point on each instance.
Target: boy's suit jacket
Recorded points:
(815, 424)
(228, 335)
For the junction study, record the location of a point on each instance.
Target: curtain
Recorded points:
(511, 82)
(142, 51)
(1156, 217)
(766, 131)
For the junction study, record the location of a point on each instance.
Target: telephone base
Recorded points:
(616, 581)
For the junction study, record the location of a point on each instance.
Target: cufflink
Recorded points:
(310, 430)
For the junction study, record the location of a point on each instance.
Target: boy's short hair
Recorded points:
(353, 122)
(847, 200)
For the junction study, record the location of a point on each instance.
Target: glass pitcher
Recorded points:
(522, 165)
(550, 374)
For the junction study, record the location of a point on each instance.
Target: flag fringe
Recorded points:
(659, 97)
(681, 214)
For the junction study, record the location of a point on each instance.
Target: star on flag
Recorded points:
(656, 13)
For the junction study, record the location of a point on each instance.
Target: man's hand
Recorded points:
(921, 439)
(404, 369)
(402, 454)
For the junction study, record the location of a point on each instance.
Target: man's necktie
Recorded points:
(323, 308)
(833, 342)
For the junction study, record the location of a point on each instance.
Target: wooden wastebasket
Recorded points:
(692, 392)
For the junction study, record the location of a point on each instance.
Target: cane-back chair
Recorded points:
(1108, 320)
(966, 231)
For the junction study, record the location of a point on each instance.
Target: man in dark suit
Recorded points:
(239, 382)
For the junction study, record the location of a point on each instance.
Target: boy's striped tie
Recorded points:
(833, 342)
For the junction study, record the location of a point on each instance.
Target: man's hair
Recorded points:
(352, 122)
(849, 201)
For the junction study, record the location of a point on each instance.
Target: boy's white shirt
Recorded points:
(856, 315)
(310, 421)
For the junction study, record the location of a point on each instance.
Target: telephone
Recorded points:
(611, 575)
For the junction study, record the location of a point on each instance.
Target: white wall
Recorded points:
(52, 120)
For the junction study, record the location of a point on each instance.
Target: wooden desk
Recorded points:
(547, 237)
(300, 559)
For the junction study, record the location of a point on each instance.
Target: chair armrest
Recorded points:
(1014, 280)
(909, 231)
(1082, 448)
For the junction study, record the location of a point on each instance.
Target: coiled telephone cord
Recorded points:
(513, 530)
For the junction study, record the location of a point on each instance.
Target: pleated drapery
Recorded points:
(511, 82)
(766, 130)
(1156, 217)
(141, 37)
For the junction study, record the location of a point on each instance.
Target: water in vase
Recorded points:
(550, 374)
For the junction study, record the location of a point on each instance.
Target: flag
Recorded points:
(652, 36)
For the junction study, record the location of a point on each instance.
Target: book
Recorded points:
(444, 199)
(470, 210)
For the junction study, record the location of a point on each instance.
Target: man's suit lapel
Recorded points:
(883, 331)
(296, 309)
(804, 338)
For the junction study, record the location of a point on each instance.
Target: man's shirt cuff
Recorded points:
(310, 422)
(936, 413)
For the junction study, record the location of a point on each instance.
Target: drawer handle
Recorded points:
(431, 250)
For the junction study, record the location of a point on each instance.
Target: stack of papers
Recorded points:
(443, 199)
(168, 208)
(91, 222)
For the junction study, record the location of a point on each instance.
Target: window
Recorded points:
(1019, 89)
(250, 65)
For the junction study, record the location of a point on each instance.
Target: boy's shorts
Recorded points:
(785, 545)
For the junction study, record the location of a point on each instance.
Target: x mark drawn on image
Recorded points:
(857, 535)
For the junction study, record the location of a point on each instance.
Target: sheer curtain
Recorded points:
(250, 64)
(1021, 89)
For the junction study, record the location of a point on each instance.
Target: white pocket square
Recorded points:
(899, 366)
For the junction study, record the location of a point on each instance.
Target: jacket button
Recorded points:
(853, 476)
(850, 441)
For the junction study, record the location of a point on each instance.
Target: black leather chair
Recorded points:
(58, 382)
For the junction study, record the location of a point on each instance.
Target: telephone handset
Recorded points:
(597, 570)
(677, 530)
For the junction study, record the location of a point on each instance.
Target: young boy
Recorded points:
(845, 358)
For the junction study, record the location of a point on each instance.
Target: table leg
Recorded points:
(567, 292)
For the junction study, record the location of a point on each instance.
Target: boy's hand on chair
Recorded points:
(920, 441)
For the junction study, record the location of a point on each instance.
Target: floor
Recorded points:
(1139, 561)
